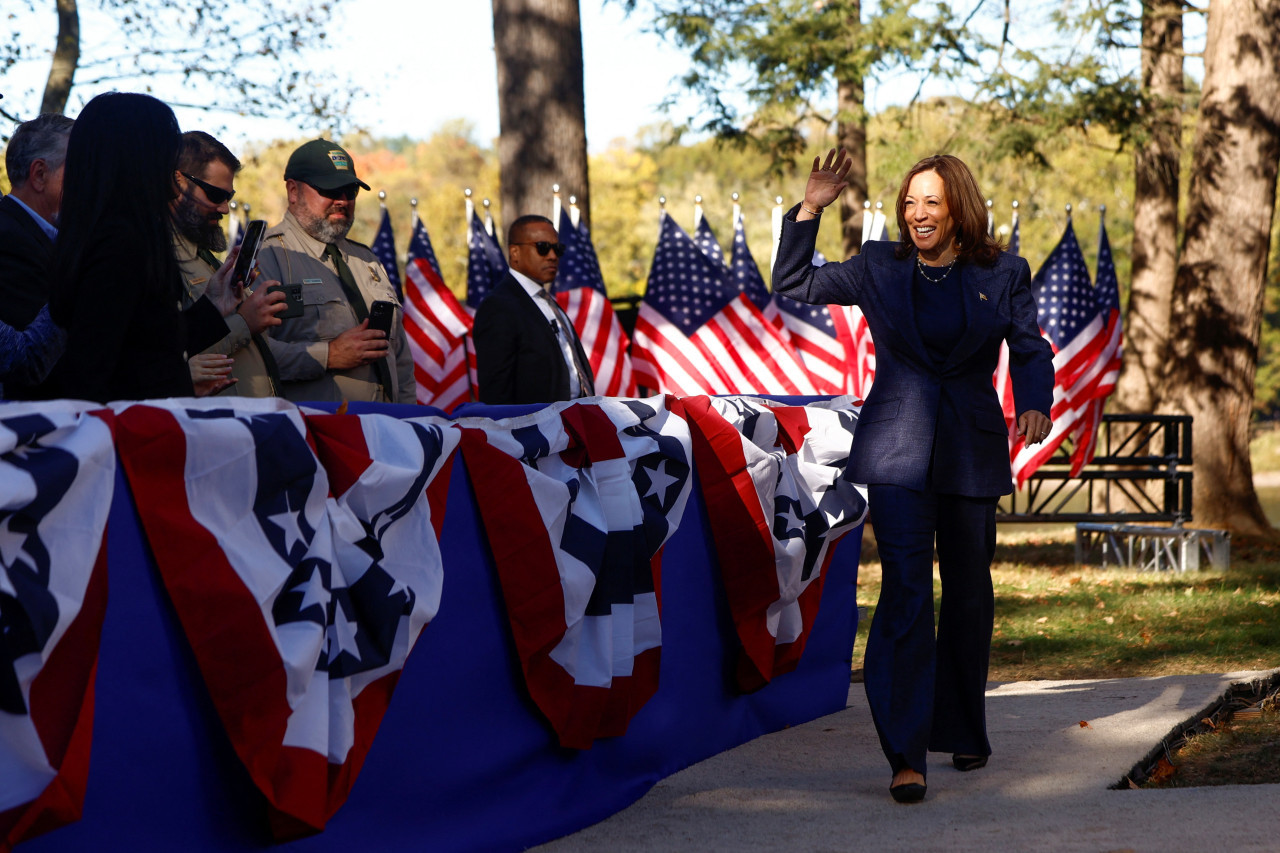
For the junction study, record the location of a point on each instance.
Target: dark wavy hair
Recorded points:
(118, 185)
(967, 206)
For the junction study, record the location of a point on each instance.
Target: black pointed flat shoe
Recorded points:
(965, 763)
(912, 792)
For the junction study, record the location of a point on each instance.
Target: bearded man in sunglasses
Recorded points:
(527, 350)
(328, 352)
(206, 184)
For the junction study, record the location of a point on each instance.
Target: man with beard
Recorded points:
(329, 353)
(206, 182)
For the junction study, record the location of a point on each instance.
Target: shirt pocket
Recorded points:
(881, 410)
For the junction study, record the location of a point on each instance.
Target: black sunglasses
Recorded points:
(216, 195)
(544, 246)
(347, 193)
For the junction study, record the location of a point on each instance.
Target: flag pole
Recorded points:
(991, 220)
(737, 210)
(777, 233)
(575, 215)
(488, 217)
(1015, 214)
(467, 346)
(697, 210)
(662, 210)
(866, 222)
(556, 204)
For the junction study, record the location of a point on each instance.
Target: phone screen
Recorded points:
(248, 251)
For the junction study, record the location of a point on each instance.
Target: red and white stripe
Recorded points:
(437, 326)
(737, 351)
(603, 339)
(852, 330)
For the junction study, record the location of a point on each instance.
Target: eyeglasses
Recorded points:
(216, 195)
(544, 246)
(347, 193)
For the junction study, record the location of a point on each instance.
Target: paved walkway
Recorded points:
(823, 786)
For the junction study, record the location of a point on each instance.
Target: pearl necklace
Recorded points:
(939, 279)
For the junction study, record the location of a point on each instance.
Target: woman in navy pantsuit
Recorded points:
(931, 442)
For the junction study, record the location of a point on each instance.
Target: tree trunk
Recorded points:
(543, 138)
(1155, 212)
(851, 135)
(66, 56)
(1217, 299)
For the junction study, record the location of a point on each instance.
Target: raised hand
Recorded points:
(826, 182)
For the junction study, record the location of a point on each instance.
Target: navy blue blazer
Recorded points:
(518, 357)
(26, 254)
(920, 416)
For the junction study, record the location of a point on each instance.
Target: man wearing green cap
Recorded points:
(329, 353)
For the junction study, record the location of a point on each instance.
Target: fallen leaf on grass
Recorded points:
(1162, 771)
(1085, 725)
(1042, 620)
(1014, 643)
(1110, 620)
(1172, 614)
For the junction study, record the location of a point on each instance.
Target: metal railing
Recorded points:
(1141, 473)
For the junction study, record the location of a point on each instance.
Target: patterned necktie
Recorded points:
(586, 388)
(362, 312)
(268, 360)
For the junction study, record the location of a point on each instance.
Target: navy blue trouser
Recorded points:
(926, 693)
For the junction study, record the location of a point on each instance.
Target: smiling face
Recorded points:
(928, 218)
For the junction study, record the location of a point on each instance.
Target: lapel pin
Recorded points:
(982, 296)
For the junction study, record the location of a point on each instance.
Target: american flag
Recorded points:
(315, 542)
(833, 341)
(1002, 378)
(747, 278)
(1072, 322)
(437, 326)
(707, 242)
(580, 290)
(772, 479)
(57, 476)
(578, 500)
(1104, 371)
(486, 264)
(696, 333)
(384, 247)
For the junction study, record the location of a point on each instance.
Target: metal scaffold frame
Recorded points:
(1142, 474)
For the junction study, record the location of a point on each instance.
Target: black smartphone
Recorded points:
(292, 299)
(248, 251)
(381, 313)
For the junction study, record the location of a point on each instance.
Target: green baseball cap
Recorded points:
(324, 164)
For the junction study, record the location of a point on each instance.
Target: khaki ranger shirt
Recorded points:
(249, 369)
(301, 344)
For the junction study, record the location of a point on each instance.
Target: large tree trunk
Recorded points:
(1217, 300)
(540, 105)
(851, 133)
(1155, 211)
(66, 56)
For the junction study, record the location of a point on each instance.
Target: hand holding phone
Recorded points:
(248, 252)
(381, 313)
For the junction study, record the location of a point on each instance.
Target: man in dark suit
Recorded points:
(29, 215)
(526, 348)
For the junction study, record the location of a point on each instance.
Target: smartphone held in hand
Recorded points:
(248, 252)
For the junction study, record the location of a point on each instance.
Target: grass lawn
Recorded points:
(1055, 620)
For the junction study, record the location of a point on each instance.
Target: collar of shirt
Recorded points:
(49, 230)
(532, 288)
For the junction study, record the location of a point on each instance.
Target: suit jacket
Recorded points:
(924, 425)
(518, 358)
(26, 256)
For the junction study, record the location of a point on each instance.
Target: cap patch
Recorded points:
(339, 158)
